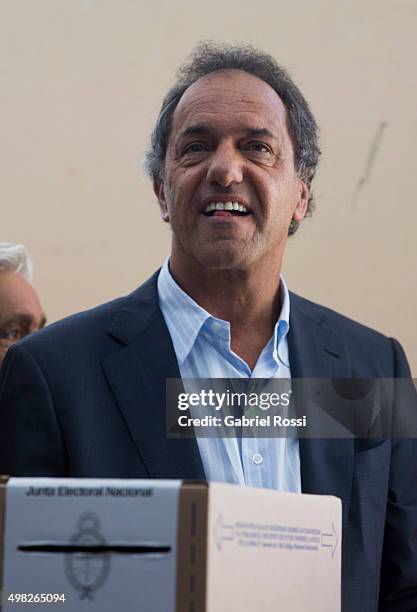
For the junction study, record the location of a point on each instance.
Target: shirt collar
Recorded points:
(283, 324)
(185, 318)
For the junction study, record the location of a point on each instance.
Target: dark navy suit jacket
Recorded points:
(86, 398)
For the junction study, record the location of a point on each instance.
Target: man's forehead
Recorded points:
(228, 93)
(15, 289)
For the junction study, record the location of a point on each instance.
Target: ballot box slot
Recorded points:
(99, 549)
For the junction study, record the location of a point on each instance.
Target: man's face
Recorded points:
(20, 310)
(230, 144)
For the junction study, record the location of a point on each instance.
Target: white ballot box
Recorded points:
(166, 546)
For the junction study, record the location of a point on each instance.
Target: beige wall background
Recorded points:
(81, 85)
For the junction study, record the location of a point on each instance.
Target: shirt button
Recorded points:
(257, 458)
(216, 327)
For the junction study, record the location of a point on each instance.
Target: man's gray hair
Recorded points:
(209, 57)
(15, 258)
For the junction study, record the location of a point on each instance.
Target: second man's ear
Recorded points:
(159, 191)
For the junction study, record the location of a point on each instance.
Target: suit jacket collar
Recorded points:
(137, 374)
(317, 352)
(315, 349)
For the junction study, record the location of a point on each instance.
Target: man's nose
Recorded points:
(225, 166)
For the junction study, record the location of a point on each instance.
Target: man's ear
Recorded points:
(302, 204)
(159, 191)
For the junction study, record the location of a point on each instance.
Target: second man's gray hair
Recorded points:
(15, 258)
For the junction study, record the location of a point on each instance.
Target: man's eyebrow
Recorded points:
(22, 319)
(203, 130)
(260, 132)
(195, 130)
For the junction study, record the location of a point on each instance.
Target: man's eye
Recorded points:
(12, 335)
(258, 147)
(15, 334)
(195, 147)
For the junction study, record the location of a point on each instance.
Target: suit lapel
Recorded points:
(316, 352)
(137, 375)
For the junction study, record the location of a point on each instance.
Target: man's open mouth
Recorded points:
(230, 208)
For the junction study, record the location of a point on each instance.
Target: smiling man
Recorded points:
(232, 157)
(230, 190)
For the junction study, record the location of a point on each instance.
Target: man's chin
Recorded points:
(223, 257)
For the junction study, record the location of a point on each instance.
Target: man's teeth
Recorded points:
(225, 206)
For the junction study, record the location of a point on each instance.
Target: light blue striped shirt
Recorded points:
(203, 348)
